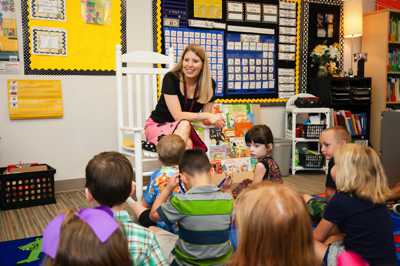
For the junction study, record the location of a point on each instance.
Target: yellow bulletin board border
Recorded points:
(157, 46)
(81, 65)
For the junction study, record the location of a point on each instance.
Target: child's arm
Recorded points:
(259, 172)
(172, 183)
(324, 230)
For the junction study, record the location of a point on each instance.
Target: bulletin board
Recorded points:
(72, 37)
(28, 99)
(253, 46)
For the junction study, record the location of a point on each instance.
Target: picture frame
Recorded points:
(322, 22)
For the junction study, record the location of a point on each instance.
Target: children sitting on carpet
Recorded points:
(331, 139)
(357, 209)
(170, 149)
(109, 182)
(274, 227)
(88, 237)
(203, 213)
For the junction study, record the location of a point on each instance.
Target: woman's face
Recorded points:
(192, 65)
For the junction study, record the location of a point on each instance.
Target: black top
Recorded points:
(367, 227)
(329, 180)
(170, 86)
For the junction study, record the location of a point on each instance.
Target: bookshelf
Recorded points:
(381, 41)
(350, 101)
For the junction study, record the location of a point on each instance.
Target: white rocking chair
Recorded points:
(136, 98)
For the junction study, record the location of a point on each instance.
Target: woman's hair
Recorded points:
(261, 134)
(205, 89)
(274, 228)
(79, 246)
(359, 171)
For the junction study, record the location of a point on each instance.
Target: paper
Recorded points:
(49, 41)
(9, 58)
(48, 9)
(29, 99)
(211, 9)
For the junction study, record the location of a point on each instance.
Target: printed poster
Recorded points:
(9, 61)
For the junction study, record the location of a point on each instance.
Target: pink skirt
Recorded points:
(153, 130)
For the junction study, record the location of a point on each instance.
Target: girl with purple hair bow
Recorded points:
(87, 237)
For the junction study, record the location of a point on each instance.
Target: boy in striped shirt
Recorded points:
(203, 213)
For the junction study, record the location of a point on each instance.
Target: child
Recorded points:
(260, 140)
(89, 237)
(170, 149)
(109, 179)
(331, 139)
(203, 213)
(357, 209)
(274, 228)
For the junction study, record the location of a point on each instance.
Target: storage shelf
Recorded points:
(306, 140)
(301, 168)
(393, 72)
(394, 43)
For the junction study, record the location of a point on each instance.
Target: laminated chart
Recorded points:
(250, 64)
(211, 40)
(29, 99)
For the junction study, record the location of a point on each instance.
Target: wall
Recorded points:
(89, 123)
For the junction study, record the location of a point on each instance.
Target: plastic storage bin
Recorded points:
(313, 131)
(309, 160)
(19, 190)
(281, 154)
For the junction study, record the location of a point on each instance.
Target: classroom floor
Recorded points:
(27, 222)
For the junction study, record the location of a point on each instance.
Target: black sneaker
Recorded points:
(148, 146)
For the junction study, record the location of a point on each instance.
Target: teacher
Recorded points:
(187, 94)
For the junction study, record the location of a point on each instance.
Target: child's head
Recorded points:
(274, 227)
(359, 171)
(89, 237)
(109, 177)
(194, 164)
(260, 139)
(331, 139)
(170, 149)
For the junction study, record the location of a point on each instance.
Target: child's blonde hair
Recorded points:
(359, 171)
(274, 227)
(341, 134)
(170, 149)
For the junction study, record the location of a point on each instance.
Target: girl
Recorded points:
(186, 95)
(260, 140)
(273, 228)
(358, 209)
(89, 237)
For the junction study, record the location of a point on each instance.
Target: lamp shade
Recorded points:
(353, 18)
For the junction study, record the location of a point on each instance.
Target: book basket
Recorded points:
(313, 131)
(19, 190)
(309, 160)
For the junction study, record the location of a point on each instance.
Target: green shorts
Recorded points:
(316, 207)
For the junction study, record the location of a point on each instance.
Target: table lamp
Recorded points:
(353, 20)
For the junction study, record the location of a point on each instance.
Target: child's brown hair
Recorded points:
(170, 149)
(109, 177)
(79, 246)
(274, 227)
(261, 134)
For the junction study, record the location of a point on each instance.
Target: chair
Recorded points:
(138, 75)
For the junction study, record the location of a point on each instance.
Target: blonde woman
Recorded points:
(274, 228)
(186, 95)
(358, 209)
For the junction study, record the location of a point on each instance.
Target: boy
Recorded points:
(331, 139)
(109, 181)
(170, 149)
(203, 214)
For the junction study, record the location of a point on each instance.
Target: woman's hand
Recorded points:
(216, 119)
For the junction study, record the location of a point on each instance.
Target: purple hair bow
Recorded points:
(100, 220)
